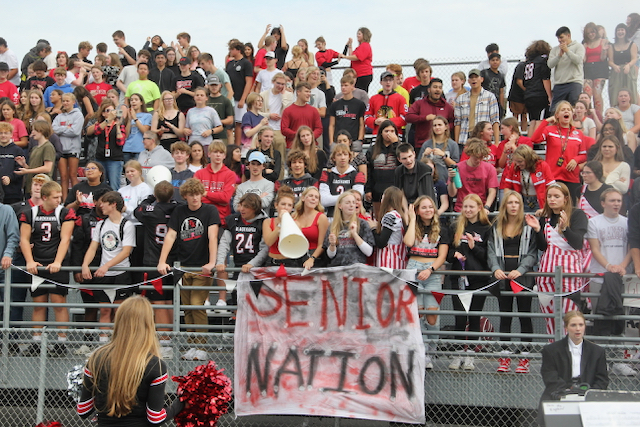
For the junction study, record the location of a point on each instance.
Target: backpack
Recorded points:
(122, 223)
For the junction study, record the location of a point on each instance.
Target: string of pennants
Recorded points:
(464, 297)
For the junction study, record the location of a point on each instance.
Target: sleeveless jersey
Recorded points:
(246, 238)
(45, 230)
(154, 218)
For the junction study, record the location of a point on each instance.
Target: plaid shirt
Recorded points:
(486, 110)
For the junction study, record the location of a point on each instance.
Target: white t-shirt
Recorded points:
(612, 235)
(275, 103)
(264, 77)
(111, 244)
(587, 125)
(12, 61)
(318, 99)
(629, 116)
(132, 197)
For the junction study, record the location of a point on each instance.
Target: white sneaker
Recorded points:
(189, 354)
(200, 355)
(166, 352)
(221, 303)
(623, 369)
(428, 363)
(468, 364)
(455, 363)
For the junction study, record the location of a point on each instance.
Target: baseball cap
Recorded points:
(271, 55)
(257, 156)
(4, 66)
(185, 61)
(213, 80)
(474, 71)
(386, 74)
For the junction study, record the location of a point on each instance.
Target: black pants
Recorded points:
(477, 304)
(363, 83)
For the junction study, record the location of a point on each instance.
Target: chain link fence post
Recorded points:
(176, 301)
(557, 305)
(41, 376)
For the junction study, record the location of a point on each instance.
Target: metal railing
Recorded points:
(34, 386)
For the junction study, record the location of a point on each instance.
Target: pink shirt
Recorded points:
(476, 180)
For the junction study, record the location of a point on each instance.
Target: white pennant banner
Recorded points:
(465, 299)
(545, 299)
(111, 293)
(35, 282)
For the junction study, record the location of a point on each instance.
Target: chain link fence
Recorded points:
(464, 387)
(443, 69)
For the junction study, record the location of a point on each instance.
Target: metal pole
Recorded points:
(6, 305)
(41, 377)
(5, 320)
(176, 301)
(557, 304)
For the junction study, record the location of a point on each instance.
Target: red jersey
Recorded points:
(325, 56)
(99, 90)
(410, 82)
(392, 107)
(522, 140)
(492, 158)
(9, 90)
(541, 179)
(563, 145)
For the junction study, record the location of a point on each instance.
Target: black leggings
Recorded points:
(363, 82)
(524, 306)
(477, 304)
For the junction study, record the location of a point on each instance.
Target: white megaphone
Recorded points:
(292, 242)
(156, 174)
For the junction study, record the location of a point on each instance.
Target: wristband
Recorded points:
(487, 207)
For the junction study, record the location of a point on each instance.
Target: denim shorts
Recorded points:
(433, 283)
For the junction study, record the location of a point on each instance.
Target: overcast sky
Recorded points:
(402, 31)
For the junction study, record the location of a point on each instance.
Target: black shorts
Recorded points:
(167, 287)
(538, 108)
(58, 290)
(88, 298)
(51, 279)
(121, 294)
(69, 155)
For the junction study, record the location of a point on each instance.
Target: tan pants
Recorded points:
(198, 297)
(280, 144)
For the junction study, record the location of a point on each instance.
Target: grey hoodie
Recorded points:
(68, 126)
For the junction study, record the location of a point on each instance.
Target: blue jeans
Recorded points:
(17, 294)
(130, 156)
(113, 168)
(433, 283)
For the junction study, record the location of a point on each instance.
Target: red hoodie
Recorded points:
(392, 107)
(219, 187)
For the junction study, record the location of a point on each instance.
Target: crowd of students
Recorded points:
(248, 144)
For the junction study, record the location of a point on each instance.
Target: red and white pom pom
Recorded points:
(206, 393)
(49, 424)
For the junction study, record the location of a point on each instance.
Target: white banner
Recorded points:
(342, 342)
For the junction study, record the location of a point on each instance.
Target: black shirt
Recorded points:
(347, 116)
(535, 71)
(238, 70)
(190, 82)
(192, 241)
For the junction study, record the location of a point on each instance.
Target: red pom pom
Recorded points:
(206, 393)
(49, 424)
